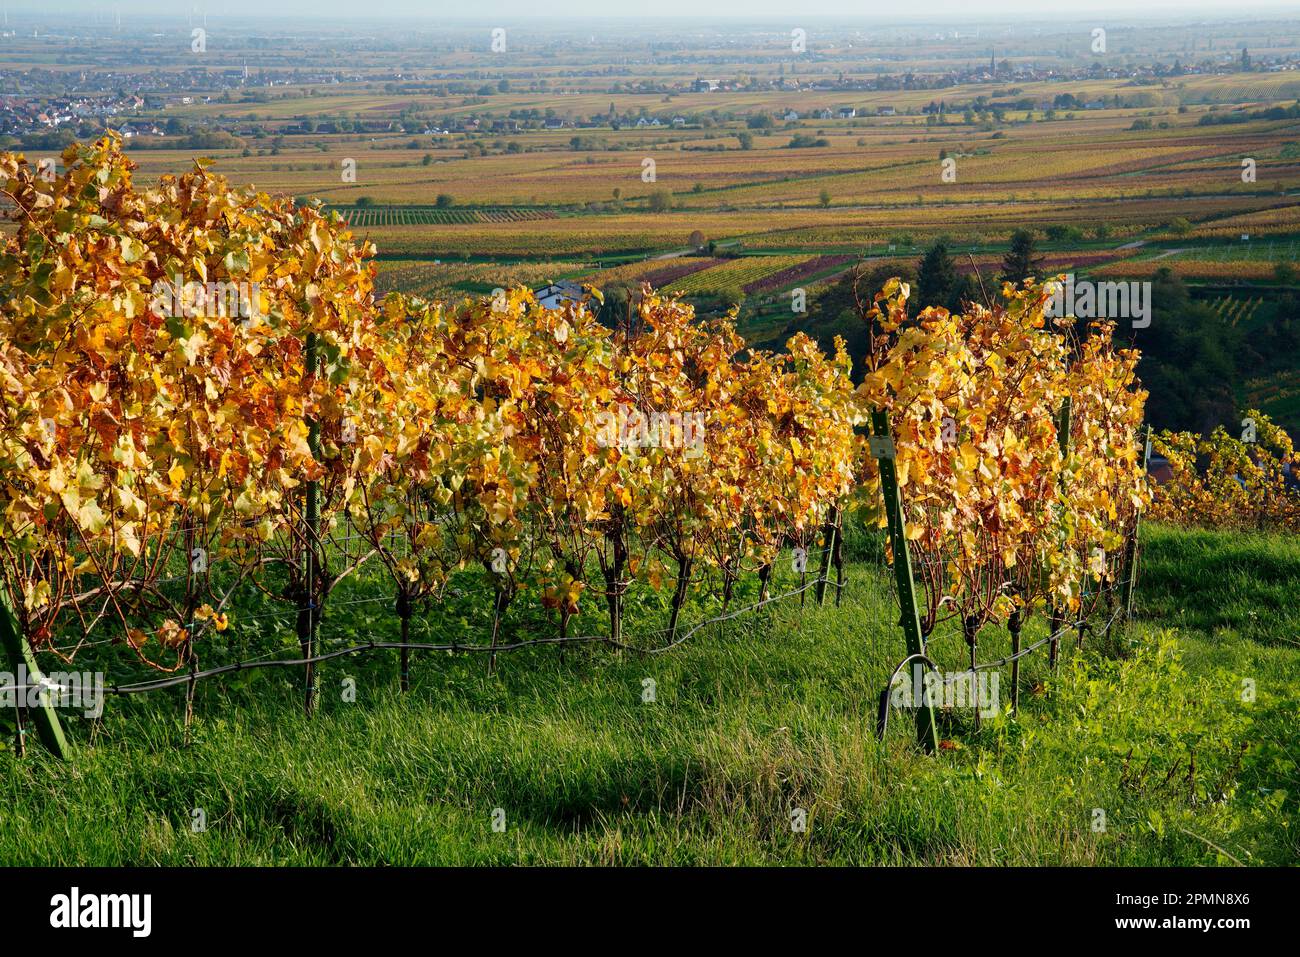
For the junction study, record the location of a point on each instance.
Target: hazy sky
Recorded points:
(788, 9)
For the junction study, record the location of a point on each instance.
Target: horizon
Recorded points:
(731, 11)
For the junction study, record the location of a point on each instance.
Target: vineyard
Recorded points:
(647, 436)
(732, 276)
(423, 278)
(1246, 481)
(1186, 268)
(166, 462)
(1236, 311)
(366, 217)
(656, 272)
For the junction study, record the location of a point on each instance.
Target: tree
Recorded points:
(444, 201)
(746, 140)
(661, 201)
(1020, 262)
(935, 276)
(1188, 359)
(1064, 234)
(824, 197)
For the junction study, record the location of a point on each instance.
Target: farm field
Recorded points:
(752, 718)
(870, 165)
(440, 279)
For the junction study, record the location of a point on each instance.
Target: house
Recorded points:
(847, 112)
(885, 111)
(790, 116)
(556, 294)
(679, 121)
(1159, 470)
(703, 86)
(554, 123)
(825, 114)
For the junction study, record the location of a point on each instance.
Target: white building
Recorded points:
(557, 294)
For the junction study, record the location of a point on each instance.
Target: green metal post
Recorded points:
(309, 616)
(828, 541)
(48, 728)
(883, 449)
(1131, 546)
(1057, 618)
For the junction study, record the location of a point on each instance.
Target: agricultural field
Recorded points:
(421, 277)
(367, 217)
(1235, 311)
(734, 277)
(1188, 268)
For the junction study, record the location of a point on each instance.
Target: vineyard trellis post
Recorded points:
(1057, 615)
(19, 652)
(1015, 624)
(829, 541)
(882, 448)
(308, 612)
(1131, 546)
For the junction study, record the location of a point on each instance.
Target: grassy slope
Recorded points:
(770, 714)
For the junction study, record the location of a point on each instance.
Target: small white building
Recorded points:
(557, 294)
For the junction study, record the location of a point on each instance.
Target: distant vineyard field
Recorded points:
(733, 276)
(1235, 311)
(362, 217)
(1267, 251)
(435, 279)
(657, 272)
(1186, 269)
(791, 274)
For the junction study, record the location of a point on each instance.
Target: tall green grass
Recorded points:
(753, 721)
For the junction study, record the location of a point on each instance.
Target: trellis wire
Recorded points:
(255, 663)
(882, 724)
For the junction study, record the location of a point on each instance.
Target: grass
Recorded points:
(752, 720)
